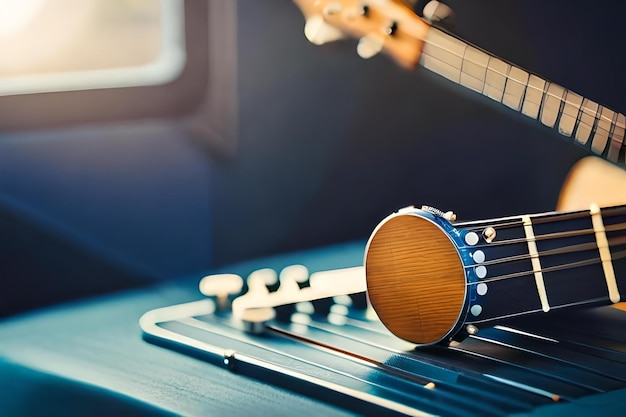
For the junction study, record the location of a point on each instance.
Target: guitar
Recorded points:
(391, 27)
(431, 280)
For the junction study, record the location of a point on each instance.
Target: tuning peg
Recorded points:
(439, 14)
(291, 279)
(253, 320)
(296, 273)
(369, 46)
(220, 287)
(318, 32)
(332, 8)
(260, 280)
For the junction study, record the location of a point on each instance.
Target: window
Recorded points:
(71, 62)
(65, 45)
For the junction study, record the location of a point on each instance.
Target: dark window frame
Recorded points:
(203, 97)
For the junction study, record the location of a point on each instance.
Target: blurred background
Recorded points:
(144, 141)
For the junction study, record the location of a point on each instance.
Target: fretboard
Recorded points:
(545, 262)
(587, 123)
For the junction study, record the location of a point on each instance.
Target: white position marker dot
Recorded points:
(481, 271)
(479, 256)
(476, 310)
(471, 238)
(481, 288)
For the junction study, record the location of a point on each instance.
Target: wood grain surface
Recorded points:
(415, 279)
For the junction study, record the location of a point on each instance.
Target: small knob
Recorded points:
(254, 320)
(220, 287)
(439, 14)
(318, 32)
(369, 46)
(295, 273)
(259, 280)
(392, 29)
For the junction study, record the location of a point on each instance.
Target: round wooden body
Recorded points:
(415, 278)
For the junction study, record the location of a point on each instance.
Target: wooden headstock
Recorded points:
(388, 26)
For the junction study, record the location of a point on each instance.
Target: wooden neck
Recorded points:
(587, 123)
(545, 262)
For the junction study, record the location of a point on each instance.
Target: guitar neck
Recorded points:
(545, 262)
(587, 123)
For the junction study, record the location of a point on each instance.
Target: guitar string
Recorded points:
(581, 247)
(545, 236)
(621, 210)
(607, 212)
(613, 241)
(549, 236)
(586, 262)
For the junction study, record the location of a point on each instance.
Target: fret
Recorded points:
(474, 69)
(603, 127)
(534, 96)
(551, 106)
(515, 88)
(495, 78)
(586, 122)
(596, 127)
(534, 258)
(569, 117)
(605, 253)
(614, 220)
(617, 138)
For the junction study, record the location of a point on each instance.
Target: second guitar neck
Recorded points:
(586, 122)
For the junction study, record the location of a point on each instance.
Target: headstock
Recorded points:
(388, 26)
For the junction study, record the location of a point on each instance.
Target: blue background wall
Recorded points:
(328, 145)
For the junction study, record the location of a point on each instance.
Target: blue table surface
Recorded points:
(88, 357)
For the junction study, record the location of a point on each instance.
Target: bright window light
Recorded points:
(14, 16)
(65, 45)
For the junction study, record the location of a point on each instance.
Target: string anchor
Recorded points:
(448, 215)
(471, 329)
(489, 234)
